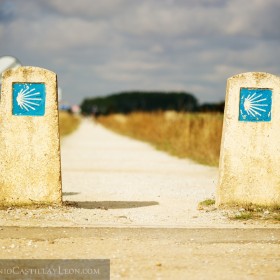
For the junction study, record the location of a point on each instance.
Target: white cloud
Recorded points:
(254, 18)
(98, 47)
(127, 70)
(58, 33)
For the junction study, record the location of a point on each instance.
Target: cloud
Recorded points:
(86, 8)
(128, 70)
(256, 18)
(100, 47)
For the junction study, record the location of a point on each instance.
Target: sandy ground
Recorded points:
(138, 207)
(120, 182)
(143, 253)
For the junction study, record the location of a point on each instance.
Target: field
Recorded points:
(186, 135)
(67, 123)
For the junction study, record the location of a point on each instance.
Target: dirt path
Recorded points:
(120, 182)
(143, 253)
(137, 184)
(138, 207)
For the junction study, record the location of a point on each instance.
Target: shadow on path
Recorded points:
(110, 204)
(69, 193)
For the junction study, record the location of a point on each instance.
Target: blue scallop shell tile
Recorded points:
(255, 105)
(29, 99)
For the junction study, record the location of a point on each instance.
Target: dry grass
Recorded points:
(243, 212)
(252, 212)
(67, 123)
(195, 136)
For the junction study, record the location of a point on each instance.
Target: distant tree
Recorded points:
(126, 102)
(212, 107)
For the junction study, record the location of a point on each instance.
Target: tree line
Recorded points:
(127, 102)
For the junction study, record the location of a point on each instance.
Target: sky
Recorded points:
(100, 47)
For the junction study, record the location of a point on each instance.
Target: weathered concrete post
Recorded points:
(249, 169)
(30, 168)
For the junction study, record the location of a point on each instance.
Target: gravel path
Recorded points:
(137, 184)
(151, 253)
(138, 207)
(120, 182)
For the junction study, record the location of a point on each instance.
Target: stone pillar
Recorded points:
(30, 167)
(249, 169)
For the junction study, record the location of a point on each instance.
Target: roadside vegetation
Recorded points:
(206, 203)
(251, 211)
(67, 123)
(186, 135)
(243, 212)
(147, 101)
